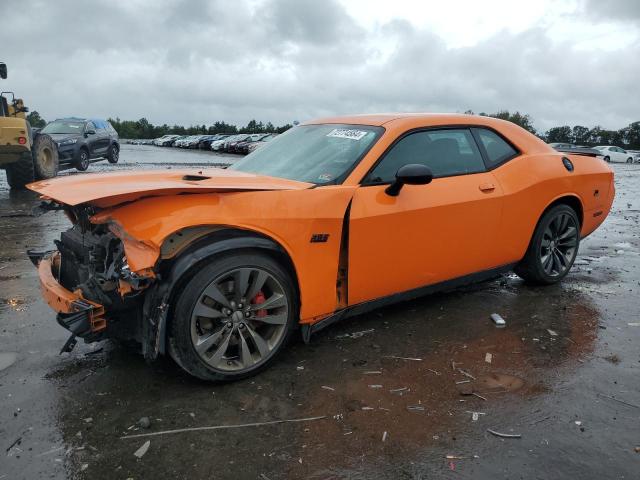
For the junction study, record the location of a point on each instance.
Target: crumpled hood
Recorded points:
(108, 189)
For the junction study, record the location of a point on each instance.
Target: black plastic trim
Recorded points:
(365, 307)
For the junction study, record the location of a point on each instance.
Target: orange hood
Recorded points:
(108, 189)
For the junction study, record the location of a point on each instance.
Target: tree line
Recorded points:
(144, 129)
(627, 137)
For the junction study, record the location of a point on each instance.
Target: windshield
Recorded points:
(319, 154)
(62, 126)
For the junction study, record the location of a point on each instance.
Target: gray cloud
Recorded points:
(280, 60)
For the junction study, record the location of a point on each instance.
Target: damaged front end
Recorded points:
(88, 281)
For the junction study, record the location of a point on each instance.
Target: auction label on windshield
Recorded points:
(347, 133)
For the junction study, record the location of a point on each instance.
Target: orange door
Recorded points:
(425, 235)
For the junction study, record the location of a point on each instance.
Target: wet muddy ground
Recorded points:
(390, 394)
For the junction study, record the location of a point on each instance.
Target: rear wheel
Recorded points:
(21, 172)
(607, 159)
(629, 160)
(233, 317)
(83, 160)
(114, 154)
(553, 248)
(45, 157)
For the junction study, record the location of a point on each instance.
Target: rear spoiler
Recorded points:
(587, 152)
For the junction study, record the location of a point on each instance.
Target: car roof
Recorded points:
(380, 119)
(403, 122)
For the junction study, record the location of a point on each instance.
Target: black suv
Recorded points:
(82, 140)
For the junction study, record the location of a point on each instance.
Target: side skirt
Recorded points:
(359, 309)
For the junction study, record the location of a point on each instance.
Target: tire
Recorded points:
(629, 160)
(45, 157)
(82, 163)
(553, 247)
(607, 159)
(114, 154)
(224, 345)
(21, 172)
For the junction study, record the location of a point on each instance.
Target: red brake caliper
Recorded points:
(257, 300)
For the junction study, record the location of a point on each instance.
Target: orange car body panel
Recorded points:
(428, 234)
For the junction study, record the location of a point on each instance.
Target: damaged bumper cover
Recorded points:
(82, 317)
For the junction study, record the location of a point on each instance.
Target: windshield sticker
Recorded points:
(73, 126)
(325, 177)
(347, 133)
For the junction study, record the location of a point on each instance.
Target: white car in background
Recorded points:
(636, 155)
(610, 153)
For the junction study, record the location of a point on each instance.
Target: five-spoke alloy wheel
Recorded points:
(553, 248)
(233, 316)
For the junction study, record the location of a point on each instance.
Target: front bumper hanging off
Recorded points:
(82, 317)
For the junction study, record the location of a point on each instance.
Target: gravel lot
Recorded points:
(564, 374)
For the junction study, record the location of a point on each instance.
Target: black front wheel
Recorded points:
(114, 154)
(553, 248)
(233, 317)
(83, 160)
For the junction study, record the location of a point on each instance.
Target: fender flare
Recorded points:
(157, 302)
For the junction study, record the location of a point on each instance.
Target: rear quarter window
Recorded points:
(497, 149)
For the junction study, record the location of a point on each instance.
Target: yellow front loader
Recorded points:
(26, 156)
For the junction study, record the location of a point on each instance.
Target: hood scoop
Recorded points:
(195, 178)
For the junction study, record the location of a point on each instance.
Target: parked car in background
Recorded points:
(219, 145)
(205, 143)
(81, 141)
(230, 145)
(165, 140)
(260, 143)
(636, 155)
(611, 153)
(240, 147)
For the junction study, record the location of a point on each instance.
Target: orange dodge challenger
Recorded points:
(333, 218)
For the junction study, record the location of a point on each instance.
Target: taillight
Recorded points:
(22, 140)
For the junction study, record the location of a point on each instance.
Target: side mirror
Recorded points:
(412, 174)
(3, 70)
(90, 132)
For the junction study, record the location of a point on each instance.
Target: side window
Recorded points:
(497, 149)
(445, 152)
(90, 126)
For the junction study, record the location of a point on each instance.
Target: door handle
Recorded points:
(487, 187)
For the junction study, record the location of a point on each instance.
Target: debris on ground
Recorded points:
(434, 371)
(466, 374)
(224, 427)
(403, 358)
(331, 389)
(488, 357)
(613, 358)
(475, 415)
(634, 324)
(375, 386)
(415, 408)
(399, 391)
(144, 422)
(373, 372)
(384, 436)
(504, 435)
(619, 401)
(553, 333)
(356, 334)
(498, 320)
(143, 449)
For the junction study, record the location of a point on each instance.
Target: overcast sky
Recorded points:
(198, 61)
